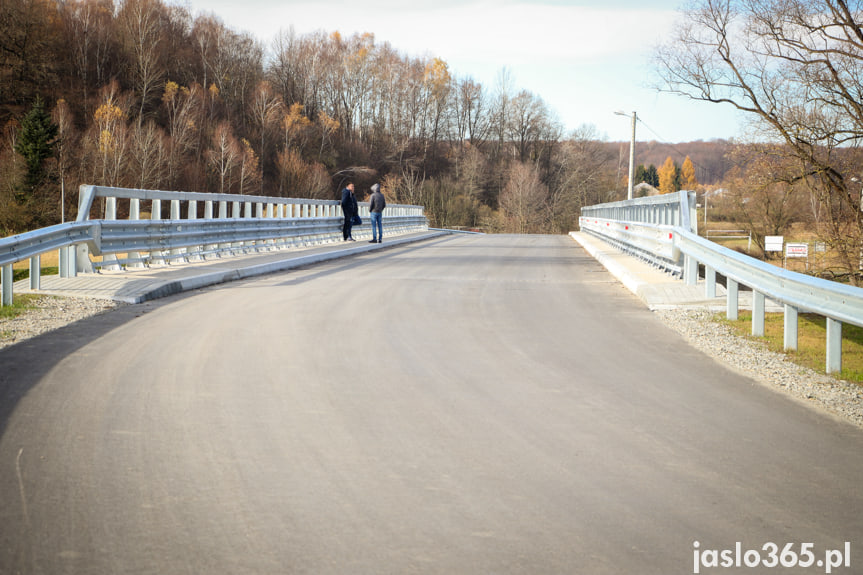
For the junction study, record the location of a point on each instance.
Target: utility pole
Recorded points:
(631, 155)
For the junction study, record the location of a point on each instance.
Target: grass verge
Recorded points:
(811, 341)
(24, 273)
(20, 304)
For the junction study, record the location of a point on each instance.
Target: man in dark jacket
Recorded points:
(377, 203)
(349, 209)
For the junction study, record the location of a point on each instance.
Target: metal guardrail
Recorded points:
(653, 243)
(678, 248)
(277, 223)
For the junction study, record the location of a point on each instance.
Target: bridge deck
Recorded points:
(470, 404)
(656, 288)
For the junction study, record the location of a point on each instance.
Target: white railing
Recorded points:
(678, 248)
(200, 226)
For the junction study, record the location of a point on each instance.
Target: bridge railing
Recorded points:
(675, 246)
(200, 226)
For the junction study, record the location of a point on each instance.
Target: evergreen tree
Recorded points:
(652, 176)
(647, 174)
(36, 140)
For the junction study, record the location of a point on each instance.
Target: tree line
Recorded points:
(144, 94)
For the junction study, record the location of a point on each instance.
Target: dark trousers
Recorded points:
(346, 228)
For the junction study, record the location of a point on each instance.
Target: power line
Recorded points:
(662, 141)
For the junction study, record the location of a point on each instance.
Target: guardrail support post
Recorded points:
(790, 337)
(176, 253)
(7, 281)
(834, 346)
(35, 272)
(79, 260)
(757, 314)
(63, 261)
(710, 282)
(690, 270)
(732, 299)
(134, 258)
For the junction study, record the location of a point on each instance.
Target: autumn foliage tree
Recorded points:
(688, 181)
(668, 179)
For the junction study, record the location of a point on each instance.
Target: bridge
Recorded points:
(454, 404)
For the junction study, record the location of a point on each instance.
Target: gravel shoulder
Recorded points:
(841, 399)
(49, 313)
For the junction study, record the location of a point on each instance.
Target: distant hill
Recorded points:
(709, 158)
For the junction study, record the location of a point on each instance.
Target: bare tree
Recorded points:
(27, 65)
(148, 155)
(327, 127)
(764, 191)
(580, 177)
(527, 119)
(66, 140)
(438, 85)
(185, 112)
(89, 35)
(142, 25)
(523, 199)
(796, 68)
(249, 175)
(471, 111)
(224, 156)
(266, 111)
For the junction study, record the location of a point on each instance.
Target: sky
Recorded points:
(586, 59)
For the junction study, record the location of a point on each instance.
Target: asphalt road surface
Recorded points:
(471, 404)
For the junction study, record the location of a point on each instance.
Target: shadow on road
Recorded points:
(24, 364)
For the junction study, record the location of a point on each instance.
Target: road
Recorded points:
(471, 404)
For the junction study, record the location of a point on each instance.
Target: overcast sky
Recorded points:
(586, 59)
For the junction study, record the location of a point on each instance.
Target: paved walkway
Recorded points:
(140, 285)
(656, 288)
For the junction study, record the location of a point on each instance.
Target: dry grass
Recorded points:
(48, 260)
(812, 341)
(20, 304)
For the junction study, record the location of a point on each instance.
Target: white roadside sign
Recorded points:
(773, 243)
(796, 250)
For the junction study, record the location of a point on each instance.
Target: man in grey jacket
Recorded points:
(377, 203)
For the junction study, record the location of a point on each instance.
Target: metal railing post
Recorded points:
(732, 299)
(35, 272)
(757, 313)
(834, 346)
(7, 280)
(789, 339)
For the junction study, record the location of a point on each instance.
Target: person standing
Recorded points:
(349, 210)
(377, 203)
